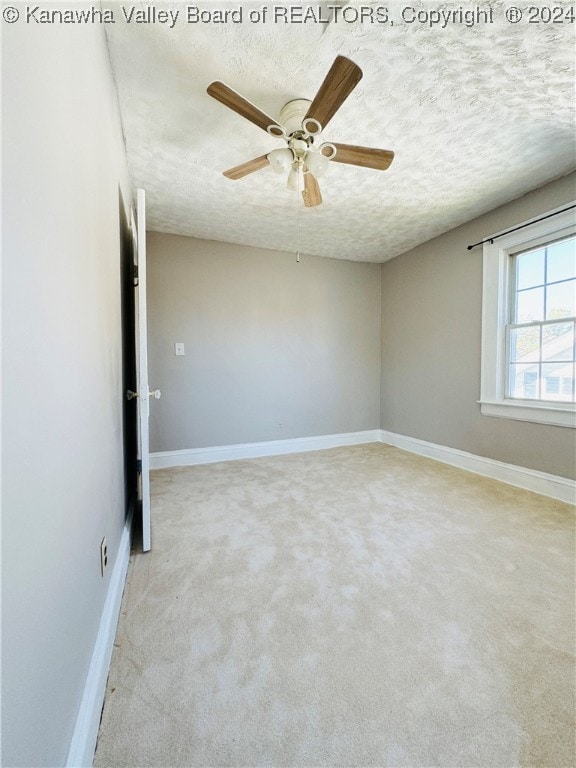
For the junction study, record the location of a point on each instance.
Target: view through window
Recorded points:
(541, 334)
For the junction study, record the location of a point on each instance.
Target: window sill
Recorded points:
(560, 415)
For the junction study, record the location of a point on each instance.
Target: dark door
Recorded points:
(130, 411)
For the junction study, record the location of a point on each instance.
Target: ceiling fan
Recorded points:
(305, 158)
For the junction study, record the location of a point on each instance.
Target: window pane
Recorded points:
(568, 386)
(562, 260)
(530, 305)
(561, 300)
(525, 345)
(524, 381)
(558, 341)
(557, 381)
(530, 269)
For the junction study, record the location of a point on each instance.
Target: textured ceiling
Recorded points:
(476, 116)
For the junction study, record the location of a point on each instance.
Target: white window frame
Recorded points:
(496, 298)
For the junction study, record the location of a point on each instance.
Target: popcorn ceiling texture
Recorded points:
(477, 116)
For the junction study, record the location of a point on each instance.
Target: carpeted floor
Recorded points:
(358, 606)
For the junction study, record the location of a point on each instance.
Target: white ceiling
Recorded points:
(476, 116)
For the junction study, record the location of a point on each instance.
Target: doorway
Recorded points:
(129, 381)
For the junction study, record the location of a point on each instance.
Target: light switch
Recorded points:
(179, 348)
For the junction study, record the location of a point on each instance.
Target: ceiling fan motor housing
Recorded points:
(292, 114)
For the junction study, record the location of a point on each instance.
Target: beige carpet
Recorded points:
(352, 607)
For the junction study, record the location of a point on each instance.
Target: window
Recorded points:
(542, 321)
(529, 323)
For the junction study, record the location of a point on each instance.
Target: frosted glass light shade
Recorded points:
(281, 160)
(296, 179)
(317, 163)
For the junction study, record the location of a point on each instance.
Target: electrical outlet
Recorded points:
(103, 555)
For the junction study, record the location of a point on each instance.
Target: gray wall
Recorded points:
(274, 349)
(63, 160)
(431, 336)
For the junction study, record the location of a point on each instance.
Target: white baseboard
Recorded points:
(83, 744)
(193, 456)
(529, 479)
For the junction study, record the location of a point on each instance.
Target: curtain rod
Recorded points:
(514, 229)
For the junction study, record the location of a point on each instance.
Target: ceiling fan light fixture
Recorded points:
(296, 178)
(299, 147)
(281, 160)
(317, 163)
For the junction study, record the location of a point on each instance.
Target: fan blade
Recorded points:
(366, 157)
(311, 191)
(243, 170)
(239, 104)
(338, 84)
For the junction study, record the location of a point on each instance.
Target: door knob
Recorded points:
(156, 394)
